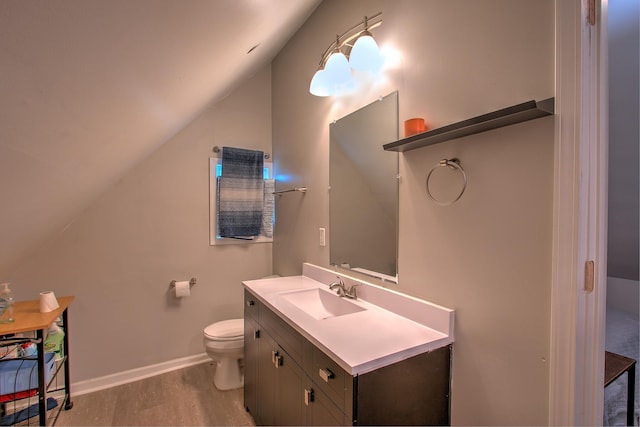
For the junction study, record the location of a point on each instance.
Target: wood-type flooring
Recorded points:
(185, 397)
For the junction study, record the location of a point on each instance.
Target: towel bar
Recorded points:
(300, 189)
(217, 150)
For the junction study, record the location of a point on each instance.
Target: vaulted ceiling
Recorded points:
(89, 88)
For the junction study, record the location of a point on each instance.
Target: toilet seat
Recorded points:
(226, 330)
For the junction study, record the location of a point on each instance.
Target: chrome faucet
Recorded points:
(343, 290)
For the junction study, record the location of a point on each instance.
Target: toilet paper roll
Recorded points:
(48, 302)
(183, 289)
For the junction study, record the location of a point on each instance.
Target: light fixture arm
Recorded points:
(352, 33)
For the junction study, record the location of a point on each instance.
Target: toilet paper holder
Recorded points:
(192, 283)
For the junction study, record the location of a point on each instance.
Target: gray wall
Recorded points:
(624, 139)
(488, 256)
(119, 256)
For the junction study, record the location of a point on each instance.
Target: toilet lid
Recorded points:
(226, 329)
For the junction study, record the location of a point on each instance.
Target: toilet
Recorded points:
(224, 343)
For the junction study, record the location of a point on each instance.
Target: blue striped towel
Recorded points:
(267, 212)
(240, 193)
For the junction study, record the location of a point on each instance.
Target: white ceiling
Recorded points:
(89, 88)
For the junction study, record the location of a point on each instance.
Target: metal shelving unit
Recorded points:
(29, 319)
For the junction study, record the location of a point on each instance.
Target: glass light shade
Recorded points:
(365, 55)
(320, 84)
(337, 70)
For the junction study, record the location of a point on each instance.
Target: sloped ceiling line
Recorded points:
(90, 88)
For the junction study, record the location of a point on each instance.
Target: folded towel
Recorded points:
(267, 212)
(241, 163)
(240, 193)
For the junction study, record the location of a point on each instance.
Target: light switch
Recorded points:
(322, 236)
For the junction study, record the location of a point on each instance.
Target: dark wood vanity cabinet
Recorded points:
(289, 381)
(275, 383)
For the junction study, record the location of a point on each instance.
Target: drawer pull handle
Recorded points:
(250, 303)
(326, 374)
(256, 334)
(276, 359)
(308, 396)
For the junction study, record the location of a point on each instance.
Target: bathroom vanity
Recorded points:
(313, 358)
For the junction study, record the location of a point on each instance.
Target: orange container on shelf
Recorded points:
(414, 126)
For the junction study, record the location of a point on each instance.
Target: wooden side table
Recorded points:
(616, 365)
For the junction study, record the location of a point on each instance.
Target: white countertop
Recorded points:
(363, 341)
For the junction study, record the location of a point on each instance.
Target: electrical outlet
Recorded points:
(322, 237)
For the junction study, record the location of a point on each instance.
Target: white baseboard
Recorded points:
(112, 380)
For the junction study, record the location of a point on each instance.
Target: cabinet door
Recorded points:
(323, 412)
(280, 387)
(267, 384)
(292, 386)
(251, 354)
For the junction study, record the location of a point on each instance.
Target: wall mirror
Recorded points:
(363, 202)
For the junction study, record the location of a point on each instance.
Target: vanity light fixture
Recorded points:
(334, 71)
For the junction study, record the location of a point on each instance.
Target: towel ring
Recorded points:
(454, 164)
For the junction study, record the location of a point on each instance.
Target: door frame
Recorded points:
(576, 381)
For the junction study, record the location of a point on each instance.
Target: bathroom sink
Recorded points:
(320, 304)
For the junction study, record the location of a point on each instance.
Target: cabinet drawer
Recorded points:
(288, 338)
(330, 378)
(251, 306)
